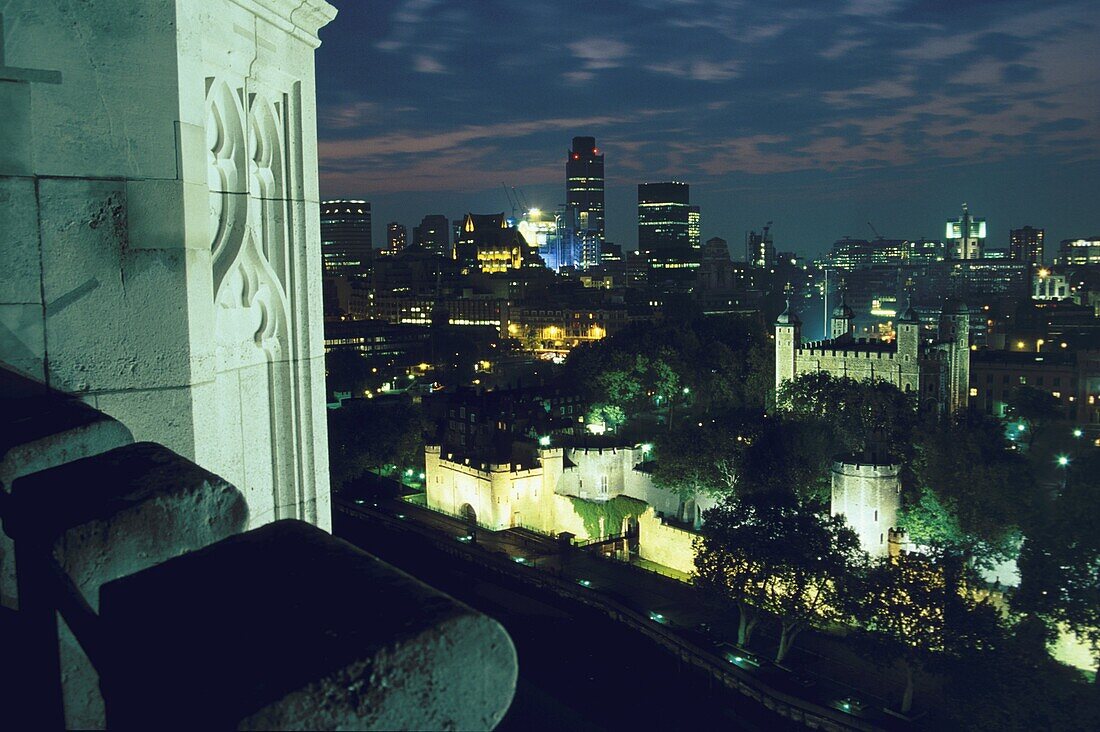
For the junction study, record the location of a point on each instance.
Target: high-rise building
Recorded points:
(346, 237)
(397, 238)
(1077, 252)
(663, 225)
(584, 185)
(434, 235)
(694, 236)
(925, 251)
(760, 249)
(1026, 245)
(967, 236)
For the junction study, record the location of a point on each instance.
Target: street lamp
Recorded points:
(1078, 432)
(1063, 463)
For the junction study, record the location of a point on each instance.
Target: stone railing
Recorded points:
(143, 602)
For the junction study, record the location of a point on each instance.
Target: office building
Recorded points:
(433, 235)
(397, 238)
(694, 235)
(1079, 252)
(663, 225)
(925, 251)
(967, 236)
(584, 185)
(1026, 245)
(346, 237)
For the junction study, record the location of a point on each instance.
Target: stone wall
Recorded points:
(160, 251)
(671, 546)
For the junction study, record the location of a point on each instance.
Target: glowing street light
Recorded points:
(1063, 461)
(1078, 433)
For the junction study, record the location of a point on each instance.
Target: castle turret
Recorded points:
(840, 325)
(788, 338)
(954, 334)
(866, 491)
(908, 340)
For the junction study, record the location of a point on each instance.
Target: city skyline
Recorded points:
(884, 113)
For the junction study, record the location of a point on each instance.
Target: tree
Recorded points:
(1034, 407)
(769, 554)
(789, 455)
(1060, 560)
(918, 606)
(861, 414)
(347, 370)
(370, 435)
(705, 460)
(967, 491)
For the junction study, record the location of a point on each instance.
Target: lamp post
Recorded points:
(1063, 463)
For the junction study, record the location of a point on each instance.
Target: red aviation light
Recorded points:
(576, 156)
(595, 151)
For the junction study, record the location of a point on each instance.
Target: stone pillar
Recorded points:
(159, 229)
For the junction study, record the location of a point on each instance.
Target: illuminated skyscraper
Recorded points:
(694, 237)
(346, 236)
(663, 225)
(584, 184)
(1026, 245)
(397, 238)
(966, 235)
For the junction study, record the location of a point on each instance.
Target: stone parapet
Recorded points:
(41, 429)
(365, 646)
(110, 515)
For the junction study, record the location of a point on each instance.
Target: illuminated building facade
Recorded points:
(1026, 245)
(584, 187)
(562, 327)
(967, 236)
(1079, 252)
(694, 232)
(434, 235)
(397, 238)
(760, 249)
(849, 254)
(1048, 285)
(663, 238)
(925, 251)
(1071, 377)
(937, 372)
(346, 245)
(488, 244)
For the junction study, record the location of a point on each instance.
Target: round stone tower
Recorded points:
(867, 491)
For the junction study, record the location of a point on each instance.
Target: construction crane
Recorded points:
(877, 235)
(511, 199)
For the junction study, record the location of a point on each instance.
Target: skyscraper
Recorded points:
(966, 235)
(346, 237)
(1026, 245)
(584, 185)
(694, 236)
(663, 225)
(433, 235)
(397, 238)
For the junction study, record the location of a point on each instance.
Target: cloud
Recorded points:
(427, 65)
(699, 70)
(598, 52)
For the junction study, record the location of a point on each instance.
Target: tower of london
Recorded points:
(936, 369)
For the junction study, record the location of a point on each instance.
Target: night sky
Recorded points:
(821, 116)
